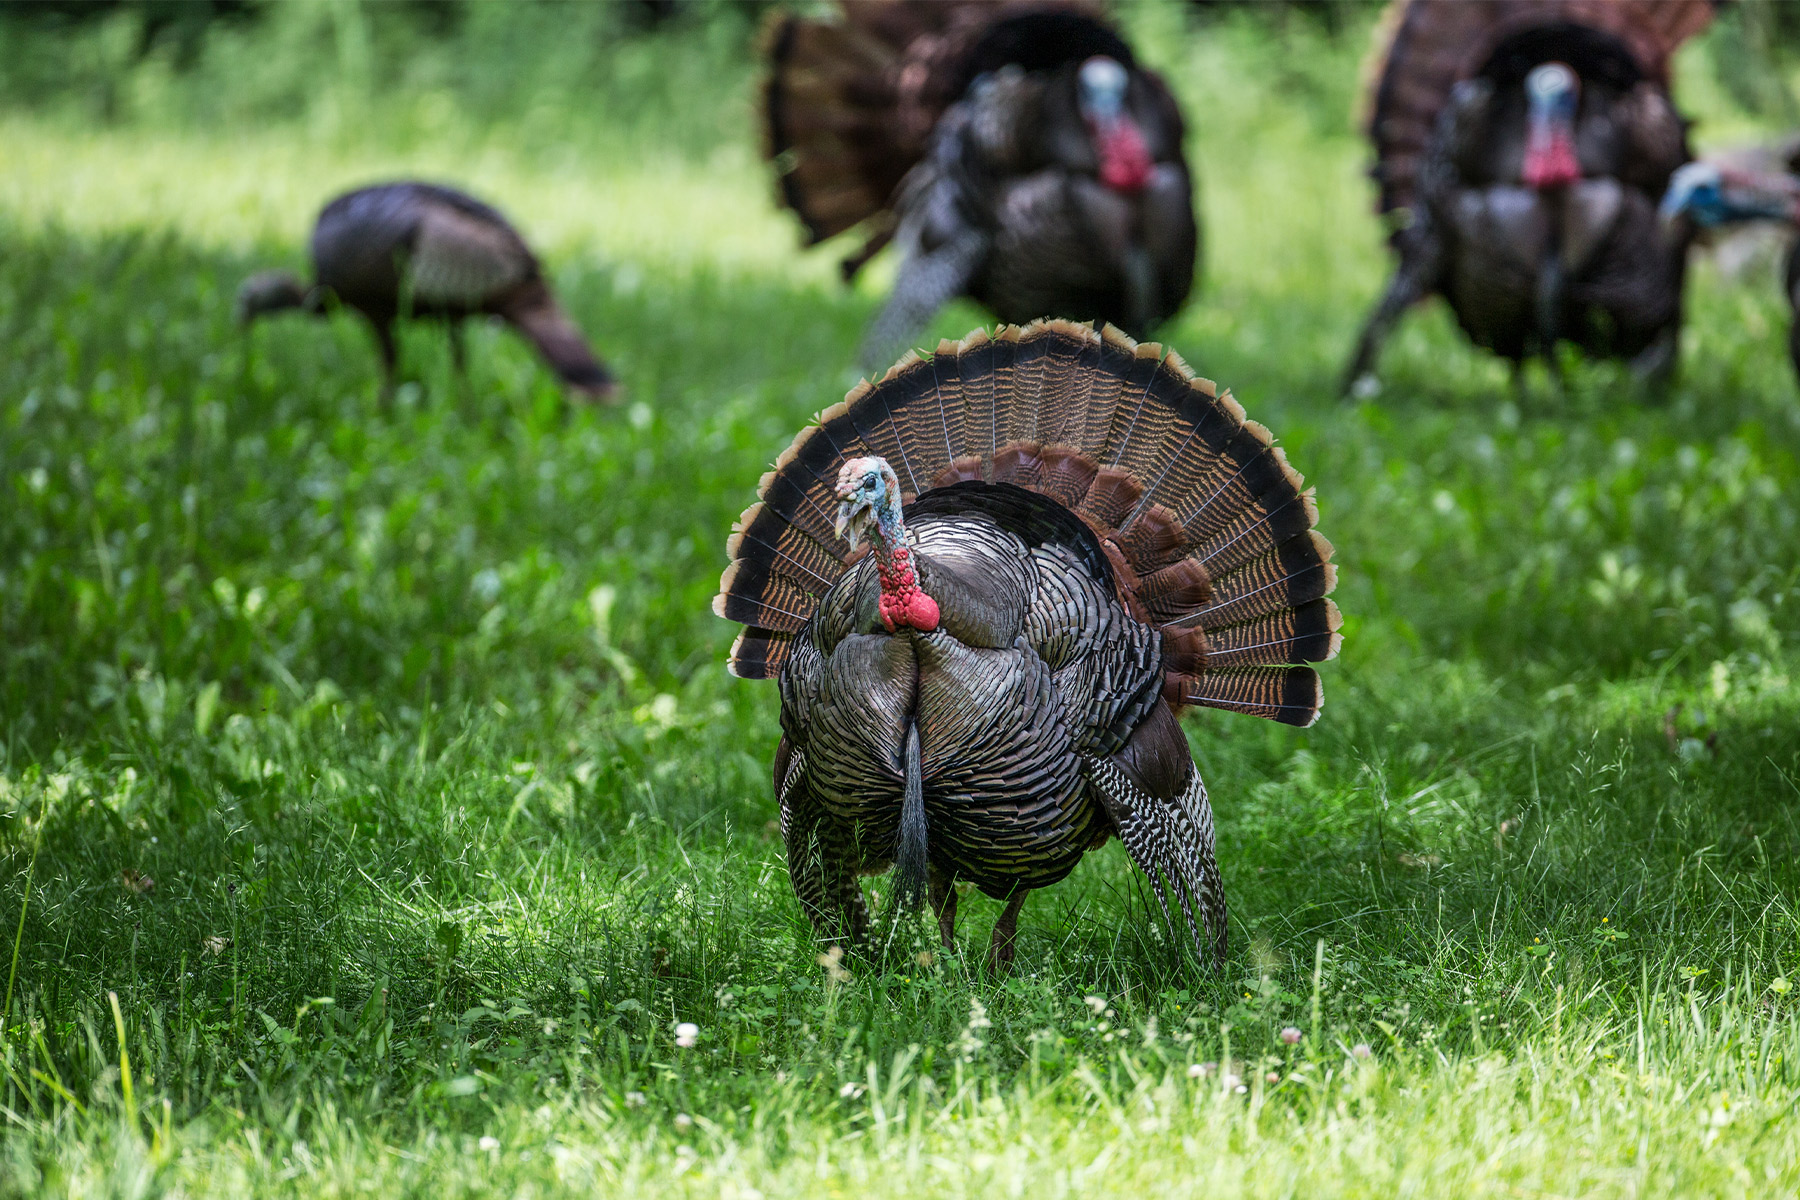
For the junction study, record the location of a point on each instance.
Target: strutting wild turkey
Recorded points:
(987, 585)
(1528, 142)
(1712, 195)
(1017, 152)
(421, 249)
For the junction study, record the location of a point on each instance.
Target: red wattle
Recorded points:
(1125, 163)
(911, 609)
(1551, 162)
(902, 604)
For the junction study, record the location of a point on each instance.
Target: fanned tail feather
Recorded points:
(828, 107)
(1209, 529)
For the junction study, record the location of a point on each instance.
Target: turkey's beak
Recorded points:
(848, 526)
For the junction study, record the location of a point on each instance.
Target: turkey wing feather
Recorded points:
(459, 261)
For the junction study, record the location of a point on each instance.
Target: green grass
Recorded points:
(420, 726)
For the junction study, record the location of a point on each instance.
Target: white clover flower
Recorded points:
(1290, 1036)
(1097, 1003)
(635, 1100)
(832, 960)
(687, 1035)
(1196, 1070)
(1362, 1050)
(683, 1122)
(489, 1143)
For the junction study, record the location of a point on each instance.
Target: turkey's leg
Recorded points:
(943, 903)
(1654, 366)
(1000, 950)
(1549, 315)
(1410, 284)
(1140, 290)
(390, 361)
(459, 367)
(459, 357)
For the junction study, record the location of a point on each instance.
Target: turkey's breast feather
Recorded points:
(1034, 664)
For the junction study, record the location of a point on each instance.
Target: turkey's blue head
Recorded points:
(1125, 163)
(1552, 92)
(1711, 195)
(868, 494)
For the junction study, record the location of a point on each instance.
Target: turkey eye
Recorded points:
(869, 481)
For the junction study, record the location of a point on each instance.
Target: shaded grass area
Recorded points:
(384, 766)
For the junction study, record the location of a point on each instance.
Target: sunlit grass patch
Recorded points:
(384, 767)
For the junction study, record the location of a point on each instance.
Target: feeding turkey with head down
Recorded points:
(987, 586)
(412, 249)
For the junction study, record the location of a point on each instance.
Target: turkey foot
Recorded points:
(1000, 950)
(943, 903)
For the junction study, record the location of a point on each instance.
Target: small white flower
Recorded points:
(833, 962)
(848, 1090)
(1290, 1036)
(1196, 1070)
(683, 1122)
(1232, 1083)
(635, 1100)
(687, 1035)
(1097, 1003)
(1362, 1050)
(489, 1143)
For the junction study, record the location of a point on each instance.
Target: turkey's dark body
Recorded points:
(1033, 669)
(375, 249)
(1014, 160)
(1594, 250)
(1527, 261)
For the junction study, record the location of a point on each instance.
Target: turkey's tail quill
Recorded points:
(912, 861)
(542, 320)
(1208, 529)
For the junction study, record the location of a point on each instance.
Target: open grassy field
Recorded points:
(419, 722)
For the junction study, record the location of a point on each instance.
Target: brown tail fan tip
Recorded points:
(1423, 48)
(1207, 527)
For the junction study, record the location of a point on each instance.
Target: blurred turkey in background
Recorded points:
(1016, 153)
